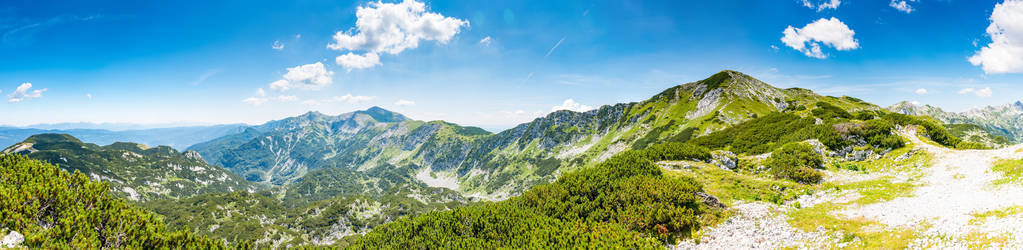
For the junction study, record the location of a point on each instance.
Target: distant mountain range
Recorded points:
(113, 126)
(175, 137)
(1003, 120)
(134, 171)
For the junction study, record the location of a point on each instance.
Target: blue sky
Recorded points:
(492, 64)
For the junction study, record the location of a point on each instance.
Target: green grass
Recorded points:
(730, 187)
(998, 213)
(1011, 170)
(865, 230)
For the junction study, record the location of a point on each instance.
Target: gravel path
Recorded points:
(951, 191)
(958, 185)
(757, 225)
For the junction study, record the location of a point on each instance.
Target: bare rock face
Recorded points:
(820, 148)
(13, 239)
(193, 155)
(861, 155)
(724, 159)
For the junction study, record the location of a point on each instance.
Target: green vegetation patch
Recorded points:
(1011, 170)
(797, 162)
(860, 233)
(623, 202)
(55, 209)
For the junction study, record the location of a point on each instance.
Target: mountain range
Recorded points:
(1004, 120)
(175, 137)
(495, 166)
(317, 179)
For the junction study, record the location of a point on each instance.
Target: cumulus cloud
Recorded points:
(920, 91)
(394, 27)
(822, 5)
(23, 92)
(1005, 52)
(570, 104)
(985, 92)
(902, 5)
(352, 61)
(829, 32)
(404, 102)
(349, 98)
(485, 42)
(278, 45)
(310, 76)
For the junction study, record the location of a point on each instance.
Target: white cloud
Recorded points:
(22, 93)
(352, 61)
(278, 45)
(89, 96)
(310, 76)
(826, 4)
(921, 91)
(830, 32)
(570, 104)
(1005, 52)
(394, 27)
(485, 42)
(917, 103)
(311, 103)
(349, 98)
(902, 5)
(404, 102)
(985, 92)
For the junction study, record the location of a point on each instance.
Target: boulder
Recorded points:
(724, 159)
(13, 239)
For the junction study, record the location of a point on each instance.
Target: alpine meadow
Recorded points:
(409, 124)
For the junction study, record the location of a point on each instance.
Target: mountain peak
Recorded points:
(382, 115)
(52, 138)
(731, 80)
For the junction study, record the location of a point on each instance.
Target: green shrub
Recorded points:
(797, 162)
(55, 209)
(676, 151)
(828, 111)
(624, 202)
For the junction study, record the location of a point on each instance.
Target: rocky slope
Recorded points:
(133, 171)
